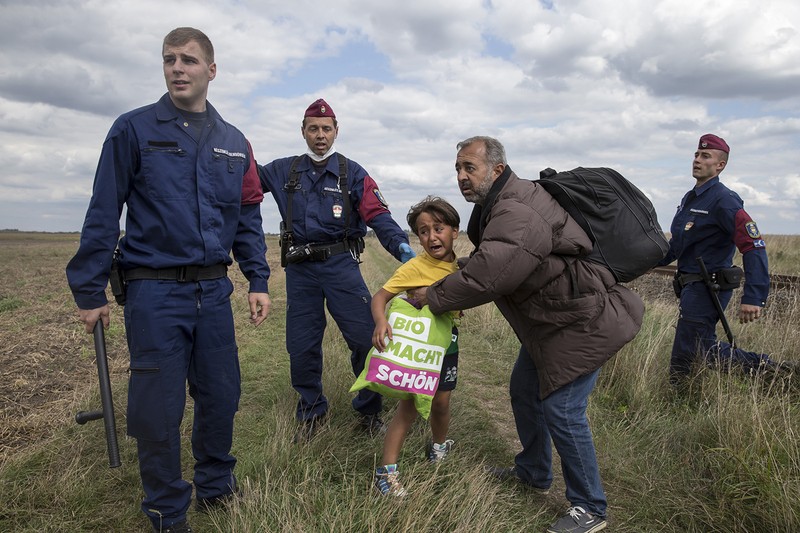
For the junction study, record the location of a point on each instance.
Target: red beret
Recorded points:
(320, 108)
(711, 141)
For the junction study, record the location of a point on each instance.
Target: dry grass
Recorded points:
(724, 459)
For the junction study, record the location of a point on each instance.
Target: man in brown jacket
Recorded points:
(570, 315)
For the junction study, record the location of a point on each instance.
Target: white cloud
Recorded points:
(587, 82)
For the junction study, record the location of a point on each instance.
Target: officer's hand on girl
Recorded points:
(406, 252)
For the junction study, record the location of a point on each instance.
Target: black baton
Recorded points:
(107, 412)
(713, 289)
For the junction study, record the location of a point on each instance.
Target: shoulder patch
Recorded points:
(752, 230)
(380, 198)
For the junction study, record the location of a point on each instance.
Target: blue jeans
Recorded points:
(561, 416)
(696, 333)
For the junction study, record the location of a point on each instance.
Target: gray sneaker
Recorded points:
(578, 520)
(386, 481)
(438, 452)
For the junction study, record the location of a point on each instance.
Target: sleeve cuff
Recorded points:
(258, 285)
(85, 301)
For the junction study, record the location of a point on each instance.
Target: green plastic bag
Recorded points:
(409, 368)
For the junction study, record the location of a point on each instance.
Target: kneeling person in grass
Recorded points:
(435, 222)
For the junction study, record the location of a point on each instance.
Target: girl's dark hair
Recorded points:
(439, 208)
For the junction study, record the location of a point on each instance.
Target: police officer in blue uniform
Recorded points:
(711, 223)
(191, 187)
(326, 202)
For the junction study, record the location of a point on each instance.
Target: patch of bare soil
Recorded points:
(47, 368)
(48, 371)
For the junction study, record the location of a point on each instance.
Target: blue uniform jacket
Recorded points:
(711, 223)
(318, 208)
(188, 203)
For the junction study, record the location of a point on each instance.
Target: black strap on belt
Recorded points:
(352, 246)
(189, 273)
(335, 248)
(685, 279)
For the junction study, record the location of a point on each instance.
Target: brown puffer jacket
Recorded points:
(570, 314)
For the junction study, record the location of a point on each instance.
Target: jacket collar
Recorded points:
(480, 213)
(707, 185)
(166, 110)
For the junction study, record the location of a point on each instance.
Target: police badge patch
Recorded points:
(380, 198)
(752, 230)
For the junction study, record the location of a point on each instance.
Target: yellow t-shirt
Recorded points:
(420, 271)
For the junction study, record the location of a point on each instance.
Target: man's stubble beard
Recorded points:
(482, 190)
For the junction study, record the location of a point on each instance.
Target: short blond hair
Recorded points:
(181, 36)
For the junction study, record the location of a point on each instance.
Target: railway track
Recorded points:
(776, 281)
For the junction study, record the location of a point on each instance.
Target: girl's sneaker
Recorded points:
(386, 481)
(437, 452)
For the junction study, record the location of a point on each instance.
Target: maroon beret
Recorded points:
(320, 108)
(711, 141)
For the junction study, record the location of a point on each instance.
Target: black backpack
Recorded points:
(618, 218)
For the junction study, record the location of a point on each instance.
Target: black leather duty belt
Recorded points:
(189, 273)
(685, 279)
(321, 251)
(335, 248)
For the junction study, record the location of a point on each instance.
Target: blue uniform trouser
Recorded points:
(560, 417)
(696, 332)
(336, 282)
(179, 332)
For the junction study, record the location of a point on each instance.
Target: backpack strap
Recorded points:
(290, 187)
(576, 293)
(287, 235)
(345, 193)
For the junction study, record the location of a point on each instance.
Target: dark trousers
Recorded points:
(310, 286)
(179, 332)
(696, 333)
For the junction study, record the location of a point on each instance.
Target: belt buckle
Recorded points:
(187, 273)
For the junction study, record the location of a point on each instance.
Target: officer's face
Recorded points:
(473, 173)
(187, 75)
(319, 133)
(707, 164)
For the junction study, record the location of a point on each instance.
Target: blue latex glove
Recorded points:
(406, 252)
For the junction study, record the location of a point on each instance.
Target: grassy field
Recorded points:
(727, 458)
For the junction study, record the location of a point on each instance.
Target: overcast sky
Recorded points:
(620, 83)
